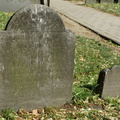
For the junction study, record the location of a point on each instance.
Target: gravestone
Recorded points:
(36, 60)
(14, 5)
(109, 82)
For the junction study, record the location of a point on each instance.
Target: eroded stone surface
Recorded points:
(36, 18)
(36, 63)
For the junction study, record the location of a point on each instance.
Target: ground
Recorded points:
(82, 31)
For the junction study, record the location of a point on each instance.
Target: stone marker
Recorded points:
(14, 5)
(36, 60)
(109, 82)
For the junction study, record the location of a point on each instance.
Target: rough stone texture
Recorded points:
(14, 5)
(109, 82)
(90, 1)
(107, 1)
(36, 60)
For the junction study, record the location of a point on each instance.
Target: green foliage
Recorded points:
(80, 94)
(7, 114)
(90, 58)
(112, 102)
(4, 17)
(110, 8)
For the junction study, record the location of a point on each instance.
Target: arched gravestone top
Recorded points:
(32, 18)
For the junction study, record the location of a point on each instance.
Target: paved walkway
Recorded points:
(102, 23)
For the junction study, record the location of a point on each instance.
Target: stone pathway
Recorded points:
(106, 25)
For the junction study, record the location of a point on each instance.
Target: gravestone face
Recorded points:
(14, 5)
(90, 1)
(109, 82)
(36, 60)
(107, 1)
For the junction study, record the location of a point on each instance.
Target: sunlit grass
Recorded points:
(4, 17)
(90, 58)
(110, 8)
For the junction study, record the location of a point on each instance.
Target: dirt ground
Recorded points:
(79, 30)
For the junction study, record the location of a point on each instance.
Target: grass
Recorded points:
(90, 58)
(110, 8)
(7, 114)
(4, 17)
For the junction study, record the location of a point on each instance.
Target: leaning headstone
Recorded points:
(109, 82)
(90, 1)
(14, 5)
(36, 60)
(107, 1)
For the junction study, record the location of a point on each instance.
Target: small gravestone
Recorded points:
(14, 5)
(109, 82)
(36, 60)
(107, 1)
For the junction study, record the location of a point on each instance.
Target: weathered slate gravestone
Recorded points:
(109, 82)
(36, 60)
(14, 5)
